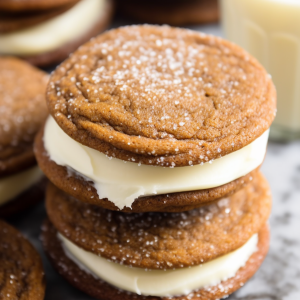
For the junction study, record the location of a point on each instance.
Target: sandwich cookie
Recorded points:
(206, 253)
(163, 119)
(22, 112)
(176, 13)
(21, 272)
(12, 21)
(49, 36)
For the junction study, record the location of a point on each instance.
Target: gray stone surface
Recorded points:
(279, 276)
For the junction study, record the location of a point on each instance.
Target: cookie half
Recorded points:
(32, 5)
(21, 272)
(176, 13)
(23, 111)
(162, 96)
(60, 35)
(175, 240)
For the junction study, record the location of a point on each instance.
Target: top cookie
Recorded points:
(32, 5)
(162, 96)
(22, 112)
(21, 272)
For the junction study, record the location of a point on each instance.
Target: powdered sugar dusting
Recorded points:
(157, 88)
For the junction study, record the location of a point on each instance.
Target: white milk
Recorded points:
(270, 31)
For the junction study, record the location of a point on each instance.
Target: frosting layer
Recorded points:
(122, 182)
(55, 32)
(158, 282)
(14, 185)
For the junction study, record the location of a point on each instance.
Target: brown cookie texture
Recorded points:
(55, 56)
(21, 272)
(16, 159)
(162, 96)
(101, 290)
(162, 240)
(32, 5)
(176, 13)
(83, 190)
(10, 22)
(25, 200)
(22, 112)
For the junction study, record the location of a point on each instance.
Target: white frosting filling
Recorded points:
(55, 32)
(158, 282)
(14, 185)
(122, 182)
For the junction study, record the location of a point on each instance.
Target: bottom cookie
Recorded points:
(99, 289)
(28, 198)
(21, 269)
(75, 185)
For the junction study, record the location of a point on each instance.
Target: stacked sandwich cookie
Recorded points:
(22, 112)
(153, 147)
(45, 32)
(205, 253)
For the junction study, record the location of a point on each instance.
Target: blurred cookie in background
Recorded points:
(46, 32)
(21, 273)
(22, 112)
(32, 5)
(175, 13)
(14, 21)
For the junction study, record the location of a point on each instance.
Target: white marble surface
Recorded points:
(279, 276)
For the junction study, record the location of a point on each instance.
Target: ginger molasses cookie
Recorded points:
(53, 35)
(177, 13)
(21, 272)
(22, 112)
(158, 98)
(162, 96)
(32, 5)
(175, 240)
(205, 253)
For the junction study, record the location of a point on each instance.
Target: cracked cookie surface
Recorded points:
(162, 96)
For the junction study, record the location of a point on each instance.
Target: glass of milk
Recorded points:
(270, 31)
